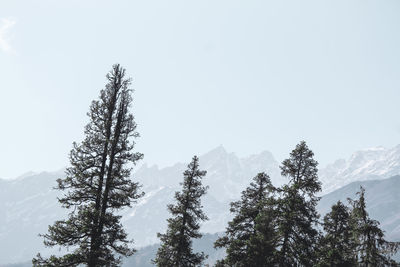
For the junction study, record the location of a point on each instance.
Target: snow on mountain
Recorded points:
(368, 164)
(227, 175)
(28, 204)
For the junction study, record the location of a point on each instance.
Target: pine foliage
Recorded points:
(98, 183)
(176, 244)
(337, 245)
(371, 247)
(296, 209)
(250, 236)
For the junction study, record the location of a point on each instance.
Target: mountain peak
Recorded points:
(26, 174)
(373, 149)
(365, 164)
(217, 152)
(219, 149)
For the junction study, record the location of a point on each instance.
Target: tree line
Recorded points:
(280, 226)
(271, 226)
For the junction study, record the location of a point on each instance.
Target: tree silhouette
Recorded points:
(250, 237)
(98, 183)
(183, 226)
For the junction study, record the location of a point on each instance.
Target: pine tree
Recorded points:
(296, 209)
(183, 226)
(337, 245)
(250, 236)
(371, 247)
(98, 183)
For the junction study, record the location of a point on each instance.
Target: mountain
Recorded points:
(382, 204)
(382, 198)
(28, 204)
(368, 164)
(145, 255)
(227, 175)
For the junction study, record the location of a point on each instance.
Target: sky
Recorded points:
(248, 75)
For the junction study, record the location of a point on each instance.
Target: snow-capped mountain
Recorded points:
(368, 164)
(227, 175)
(28, 204)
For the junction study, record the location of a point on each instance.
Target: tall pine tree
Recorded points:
(297, 215)
(250, 236)
(337, 245)
(98, 183)
(371, 247)
(183, 226)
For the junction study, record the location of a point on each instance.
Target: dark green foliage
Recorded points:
(183, 226)
(143, 257)
(337, 245)
(250, 237)
(221, 263)
(98, 183)
(296, 209)
(371, 247)
(353, 239)
(262, 245)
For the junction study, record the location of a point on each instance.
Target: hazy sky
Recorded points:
(250, 75)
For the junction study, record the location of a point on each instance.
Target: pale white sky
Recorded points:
(250, 75)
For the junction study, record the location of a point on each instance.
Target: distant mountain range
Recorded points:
(29, 204)
(368, 164)
(383, 202)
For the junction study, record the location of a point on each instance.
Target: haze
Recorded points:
(250, 75)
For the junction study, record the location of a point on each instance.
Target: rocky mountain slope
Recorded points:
(368, 164)
(29, 204)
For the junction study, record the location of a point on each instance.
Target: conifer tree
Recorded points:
(337, 245)
(250, 236)
(296, 209)
(183, 226)
(371, 247)
(98, 183)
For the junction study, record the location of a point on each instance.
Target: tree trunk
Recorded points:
(96, 231)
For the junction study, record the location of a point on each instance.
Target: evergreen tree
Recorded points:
(183, 226)
(98, 183)
(250, 236)
(337, 245)
(371, 247)
(297, 215)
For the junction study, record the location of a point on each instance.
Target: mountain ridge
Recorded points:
(28, 204)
